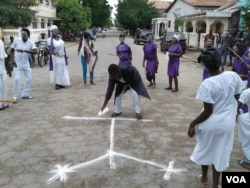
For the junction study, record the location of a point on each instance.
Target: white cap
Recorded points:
(177, 37)
(53, 27)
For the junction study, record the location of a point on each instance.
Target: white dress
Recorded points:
(59, 75)
(214, 136)
(3, 73)
(244, 124)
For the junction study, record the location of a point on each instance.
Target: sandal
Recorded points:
(244, 164)
(114, 114)
(27, 97)
(57, 87)
(202, 184)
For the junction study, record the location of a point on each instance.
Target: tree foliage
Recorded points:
(132, 14)
(246, 17)
(16, 12)
(100, 12)
(73, 15)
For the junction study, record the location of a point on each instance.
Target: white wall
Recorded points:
(180, 8)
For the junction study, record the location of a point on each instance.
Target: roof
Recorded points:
(203, 3)
(207, 3)
(221, 11)
(161, 4)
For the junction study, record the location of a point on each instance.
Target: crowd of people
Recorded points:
(225, 94)
(220, 91)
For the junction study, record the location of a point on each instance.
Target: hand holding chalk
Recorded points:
(105, 110)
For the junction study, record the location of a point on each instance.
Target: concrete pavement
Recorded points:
(60, 127)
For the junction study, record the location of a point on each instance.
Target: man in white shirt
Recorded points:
(20, 49)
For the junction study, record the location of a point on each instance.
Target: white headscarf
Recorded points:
(177, 37)
(53, 27)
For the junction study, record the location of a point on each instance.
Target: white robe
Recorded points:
(214, 136)
(60, 74)
(244, 124)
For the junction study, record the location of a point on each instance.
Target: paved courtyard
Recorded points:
(60, 128)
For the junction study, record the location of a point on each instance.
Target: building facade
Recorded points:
(200, 16)
(44, 17)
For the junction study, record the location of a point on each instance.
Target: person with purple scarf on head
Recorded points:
(240, 68)
(150, 54)
(123, 51)
(174, 53)
(59, 74)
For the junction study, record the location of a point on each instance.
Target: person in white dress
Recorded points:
(214, 126)
(3, 76)
(244, 129)
(59, 74)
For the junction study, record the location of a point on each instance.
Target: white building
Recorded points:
(200, 16)
(45, 14)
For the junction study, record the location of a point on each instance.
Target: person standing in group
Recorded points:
(240, 67)
(174, 53)
(43, 42)
(244, 128)
(218, 41)
(150, 54)
(225, 42)
(3, 76)
(123, 51)
(20, 51)
(123, 78)
(59, 74)
(211, 36)
(214, 126)
(247, 43)
(209, 47)
(85, 51)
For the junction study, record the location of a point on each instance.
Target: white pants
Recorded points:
(135, 98)
(3, 87)
(27, 77)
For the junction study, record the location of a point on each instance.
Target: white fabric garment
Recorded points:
(2, 56)
(21, 58)
(214, 136)
(2, 51)
(3, 73)
(135, 99)
(60, 74)
(244, 124)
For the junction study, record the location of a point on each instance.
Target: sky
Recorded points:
(112, 3)
(115, 2)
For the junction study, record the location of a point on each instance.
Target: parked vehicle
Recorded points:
(42, 57)
(166, 40)
(141, 36)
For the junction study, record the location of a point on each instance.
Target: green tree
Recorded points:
(132, 14)
(245, 23)
(100, 12)
(73, 15)
(178, 23)
(16, 12)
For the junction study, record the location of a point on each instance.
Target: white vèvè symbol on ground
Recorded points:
(61, 172)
